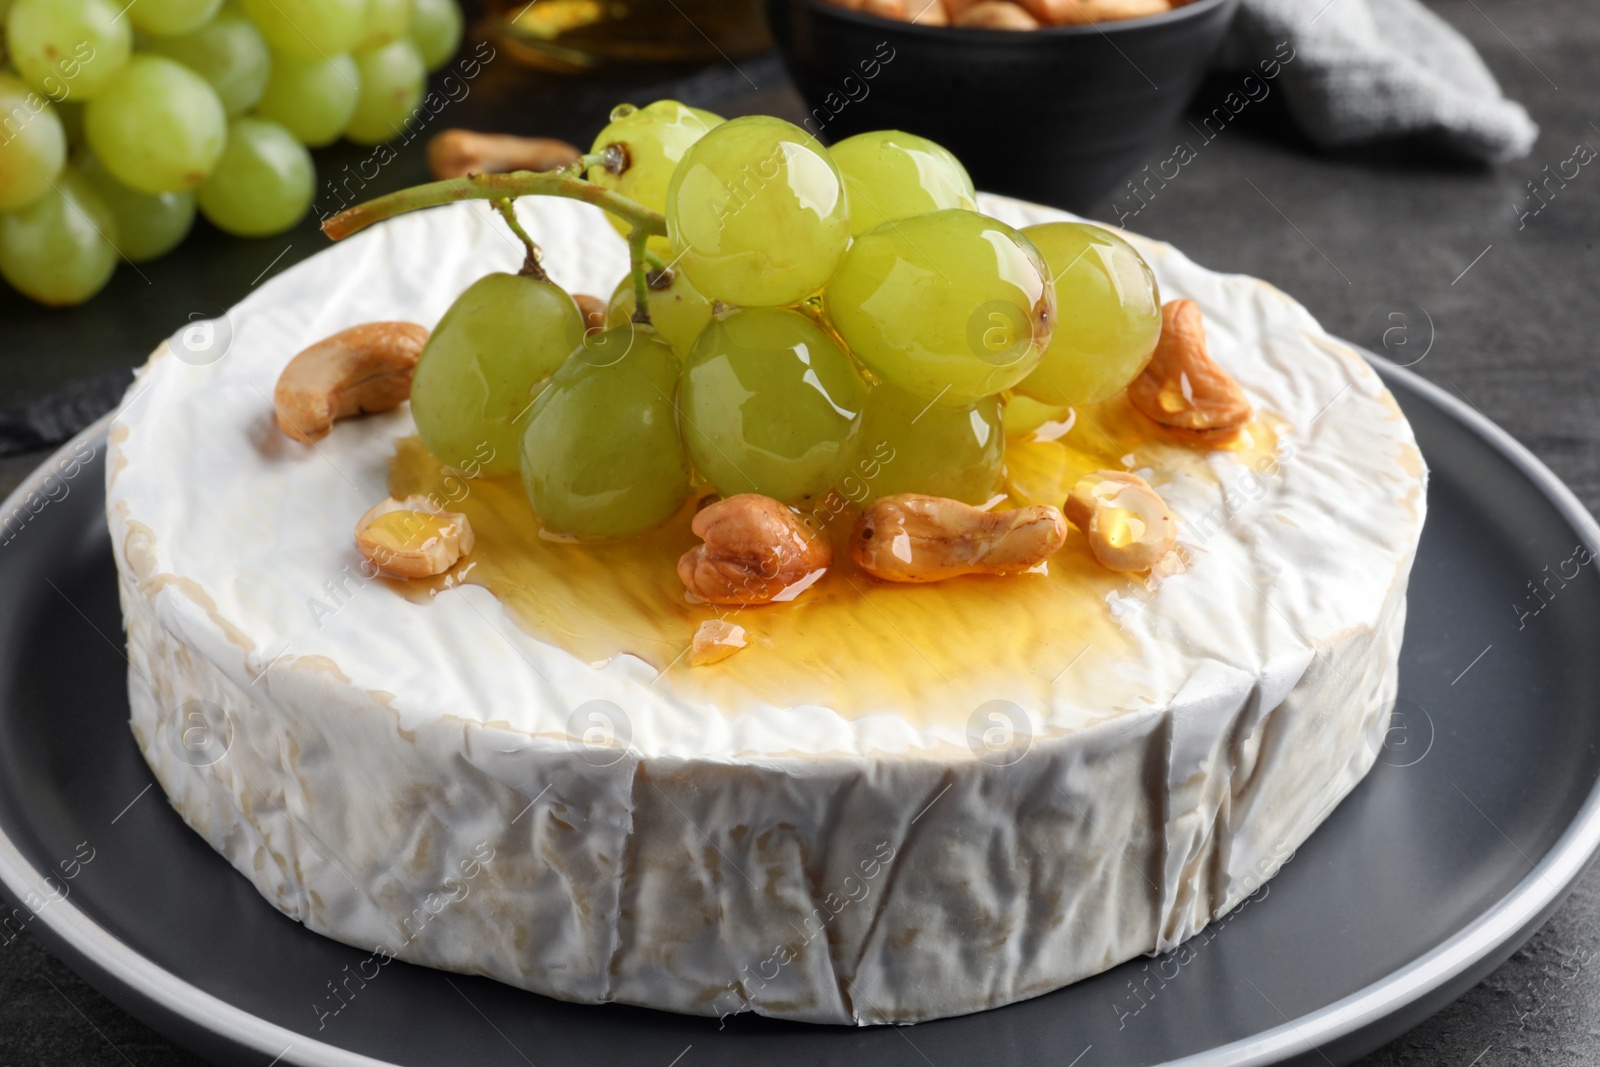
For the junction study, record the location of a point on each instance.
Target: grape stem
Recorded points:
(531, 267)
(503, 189)
(639, 257)
(495, 187)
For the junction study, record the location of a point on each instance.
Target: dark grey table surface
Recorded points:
(1393, 247)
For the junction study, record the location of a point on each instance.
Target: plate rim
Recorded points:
(68, 931)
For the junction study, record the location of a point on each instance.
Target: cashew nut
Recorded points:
(715, 641)
(996, 15)
(1125, 520)
(457, 153)
(889, 9)
(1079, 12)
(923, 12)
(1183, 388)
(593, 310)
(414, 537)
(916, 538)
(359, 371)
(756, 551)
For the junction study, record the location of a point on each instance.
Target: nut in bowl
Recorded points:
(1009, 14)
(1080, 90)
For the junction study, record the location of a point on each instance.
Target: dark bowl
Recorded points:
(1057, 115)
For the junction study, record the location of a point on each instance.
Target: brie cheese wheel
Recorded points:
(898, 803)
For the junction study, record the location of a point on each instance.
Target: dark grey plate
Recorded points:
(1460, 843)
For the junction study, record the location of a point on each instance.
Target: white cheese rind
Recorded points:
(798, 863)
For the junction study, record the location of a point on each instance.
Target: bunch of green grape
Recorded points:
(120, 121)
(821, 321)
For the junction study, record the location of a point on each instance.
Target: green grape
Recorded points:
(770, 404)
(601, 457)
(387, 21)
(68, 48)
(34, 148)
(893, 175)
(312, 98)
(1109, 310)
(654, 139)
(909, 445)
(677, 311)
(393, 80)
(484, 363)
(263, 183)
(61, 249)
(1023, 414)
(148, 226)
(950, 305)
(436, 27)
(229, 52)
(171, 17)
(159, 127)
(310, 29)
(756, 213)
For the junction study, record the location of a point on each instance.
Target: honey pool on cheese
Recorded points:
(851, 643)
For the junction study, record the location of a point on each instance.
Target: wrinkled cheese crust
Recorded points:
(400, 775)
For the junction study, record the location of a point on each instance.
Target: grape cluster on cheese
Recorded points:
(808, 310)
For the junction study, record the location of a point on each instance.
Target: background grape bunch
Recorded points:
(824, 322)
(119, 122)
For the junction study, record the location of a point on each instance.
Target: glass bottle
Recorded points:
(584, 34)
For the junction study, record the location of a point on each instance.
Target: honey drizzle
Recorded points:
(850, 643)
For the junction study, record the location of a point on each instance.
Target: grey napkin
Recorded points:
(1370, 69)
